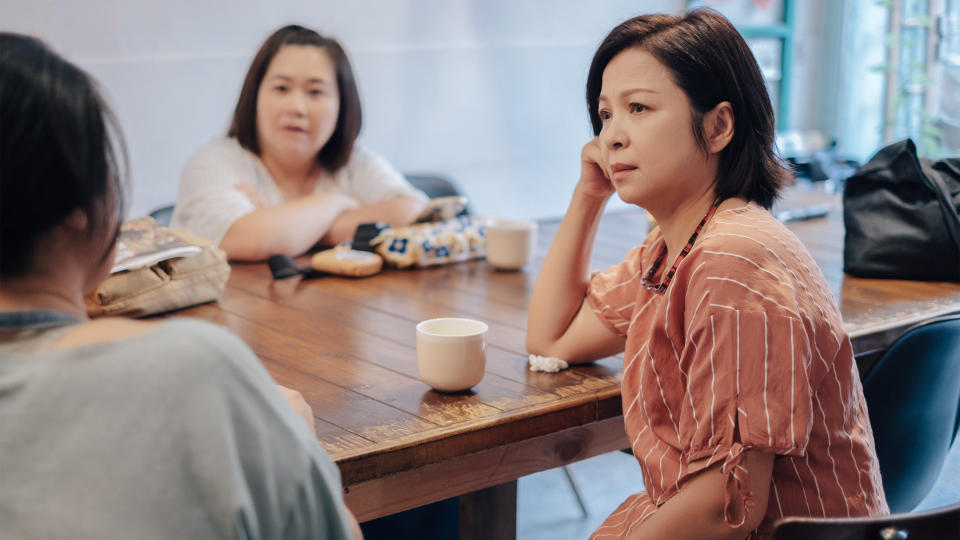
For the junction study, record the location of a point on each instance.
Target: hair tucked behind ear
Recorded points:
(57, 152)
(711, 63)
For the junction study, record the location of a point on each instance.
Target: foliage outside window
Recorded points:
(922, 74)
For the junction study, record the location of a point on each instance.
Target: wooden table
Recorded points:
(349, 346)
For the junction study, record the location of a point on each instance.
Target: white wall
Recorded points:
(489, 92)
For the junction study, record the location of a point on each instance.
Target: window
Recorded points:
(768, 27)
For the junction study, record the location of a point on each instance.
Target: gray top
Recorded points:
(175, 433)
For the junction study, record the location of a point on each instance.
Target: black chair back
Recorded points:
(938, 524)
(913, 397)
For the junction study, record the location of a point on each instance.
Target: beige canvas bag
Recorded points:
(164, 286)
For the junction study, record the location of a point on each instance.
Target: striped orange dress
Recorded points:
(744, 350)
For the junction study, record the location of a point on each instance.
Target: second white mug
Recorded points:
(510, 244)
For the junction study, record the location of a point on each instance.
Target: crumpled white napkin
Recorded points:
(546, 363)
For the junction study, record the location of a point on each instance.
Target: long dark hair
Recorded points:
(336, 152)
(58, 152)
(711, 63)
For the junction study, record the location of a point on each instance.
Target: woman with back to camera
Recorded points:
(741, 398)
(289, 175)
(116, 428)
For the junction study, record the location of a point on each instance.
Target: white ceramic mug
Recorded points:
(510, 244)
(451, 353)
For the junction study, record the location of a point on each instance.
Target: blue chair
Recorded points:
(913, 397)
(938, 524)
(163, 215)
(436, 186)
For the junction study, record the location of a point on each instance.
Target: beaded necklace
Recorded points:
(661, 287)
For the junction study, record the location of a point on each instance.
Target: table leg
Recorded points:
(489, 513)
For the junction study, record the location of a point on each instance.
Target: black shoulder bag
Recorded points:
(901, 217)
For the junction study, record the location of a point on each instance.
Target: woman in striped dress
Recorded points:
(741, 398)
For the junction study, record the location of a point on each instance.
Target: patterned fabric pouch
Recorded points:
(431, 244)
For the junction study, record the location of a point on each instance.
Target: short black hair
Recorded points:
(58, 152)
(336, 152)
(710, 61)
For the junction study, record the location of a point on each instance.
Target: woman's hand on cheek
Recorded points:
(594, 178)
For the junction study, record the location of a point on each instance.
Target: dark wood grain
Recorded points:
(349, 346)
(502, 464)
(477, 507)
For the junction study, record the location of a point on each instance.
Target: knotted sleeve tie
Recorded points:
(736, 479)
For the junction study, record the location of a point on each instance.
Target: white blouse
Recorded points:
(209, 201)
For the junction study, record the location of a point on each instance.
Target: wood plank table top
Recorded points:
(348, 345)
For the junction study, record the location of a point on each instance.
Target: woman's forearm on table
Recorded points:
(396, 212)
(289, 228)
(562, 282)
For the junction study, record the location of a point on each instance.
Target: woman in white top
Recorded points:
(289, 174)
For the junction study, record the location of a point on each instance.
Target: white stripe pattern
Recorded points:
(758, 293)
(766, 369)
(747, 276)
